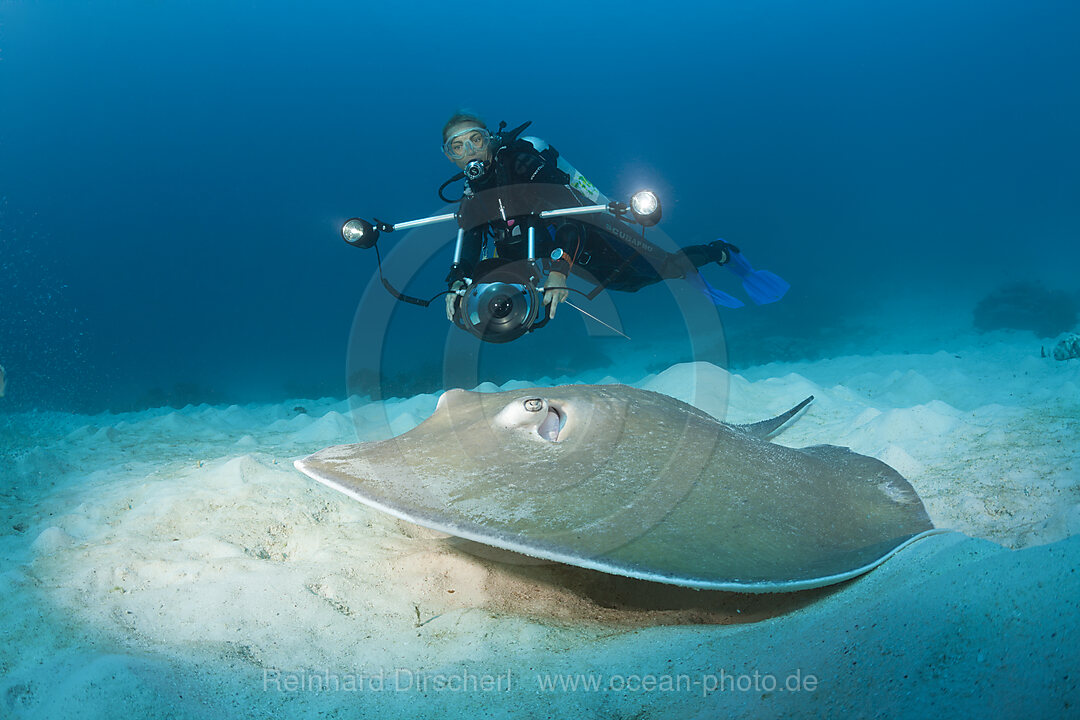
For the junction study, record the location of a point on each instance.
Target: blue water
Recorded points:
(174, 173)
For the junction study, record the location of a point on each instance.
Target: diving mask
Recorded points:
(464, 143)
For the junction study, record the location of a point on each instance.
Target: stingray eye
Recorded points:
(534, 404)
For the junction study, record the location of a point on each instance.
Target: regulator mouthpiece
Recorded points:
(476, 169)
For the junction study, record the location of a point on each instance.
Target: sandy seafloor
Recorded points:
(172, 563)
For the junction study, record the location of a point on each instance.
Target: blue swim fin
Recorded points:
(761, 285)
(718, 297)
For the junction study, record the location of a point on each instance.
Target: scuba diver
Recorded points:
(509, 179)
(527, 219)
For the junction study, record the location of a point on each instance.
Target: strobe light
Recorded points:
(359, 233)
(645, 207)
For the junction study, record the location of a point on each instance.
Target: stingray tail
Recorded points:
(767, 428)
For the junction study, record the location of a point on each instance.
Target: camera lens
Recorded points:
(500, 306)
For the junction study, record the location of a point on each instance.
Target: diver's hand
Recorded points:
(452, 299)
(553, 297)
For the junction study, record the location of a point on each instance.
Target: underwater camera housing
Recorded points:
(503, 302)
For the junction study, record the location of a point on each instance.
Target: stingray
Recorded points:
(634, 483)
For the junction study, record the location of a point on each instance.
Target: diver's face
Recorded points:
(469, 145)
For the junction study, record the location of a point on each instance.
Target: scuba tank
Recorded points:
(577, 181)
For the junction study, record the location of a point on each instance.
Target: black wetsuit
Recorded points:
(604, 250)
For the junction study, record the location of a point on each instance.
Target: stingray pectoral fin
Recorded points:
(906, 508)
(767, 428)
